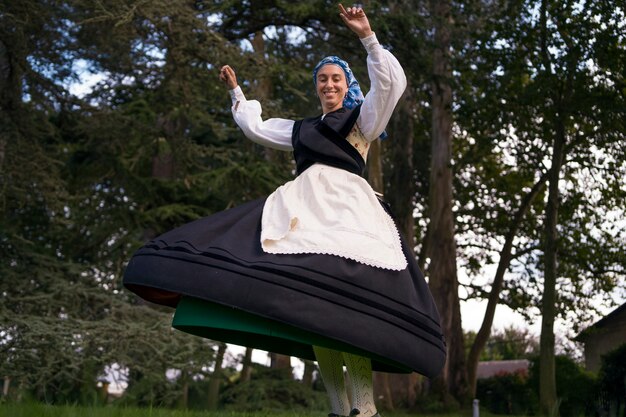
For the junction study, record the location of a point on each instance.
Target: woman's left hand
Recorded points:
(356, 20)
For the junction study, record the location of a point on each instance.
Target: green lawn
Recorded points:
(41, 410)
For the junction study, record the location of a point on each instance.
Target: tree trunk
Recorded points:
(414, 389)
(103, 394)
(375, 167)
(494, 297)
(400, 193)
(278, 361)
(442, 269)
(216, 378)
(264, 86)
(184, 401)
(246, 370)
(263, 89)
(375, 177)
(307, 376)
(10, 99)
(264, 92)
(383, 393)
(163, 159)
(547, 378)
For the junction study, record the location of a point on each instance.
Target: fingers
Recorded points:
(226, 71)
(355, 12)
(227, 75)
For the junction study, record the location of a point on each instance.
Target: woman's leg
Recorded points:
(361, 384)
(331, 367)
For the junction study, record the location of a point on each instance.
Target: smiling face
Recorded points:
(331, 87)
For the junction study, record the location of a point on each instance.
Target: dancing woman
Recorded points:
(317, 269)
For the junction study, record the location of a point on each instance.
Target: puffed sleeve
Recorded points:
(274, 133)
(388, 83)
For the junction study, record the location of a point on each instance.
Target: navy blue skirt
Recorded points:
(226, 288)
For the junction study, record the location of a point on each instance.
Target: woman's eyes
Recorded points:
(323, 79)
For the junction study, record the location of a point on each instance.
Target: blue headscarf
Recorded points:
(354, 95)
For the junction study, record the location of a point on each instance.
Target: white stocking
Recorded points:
(331, 367)
(361, 384)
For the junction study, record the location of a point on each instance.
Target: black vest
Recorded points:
(316, 140)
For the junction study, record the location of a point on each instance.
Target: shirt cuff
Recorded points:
(236, 94)
(370, 42)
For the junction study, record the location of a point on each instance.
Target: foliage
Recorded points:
(268, 389)
(39, 410)
(612, 377)
(508, 343)
(518, 393)
(577, 389)
(530, 73)
(83, 186)
(508, 394)
(511, 100)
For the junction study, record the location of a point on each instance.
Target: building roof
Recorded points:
(487, 369)
(601, 323)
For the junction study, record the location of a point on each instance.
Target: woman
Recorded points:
(318, 269)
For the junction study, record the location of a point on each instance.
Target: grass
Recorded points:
(43, 410)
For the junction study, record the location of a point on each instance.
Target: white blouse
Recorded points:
(328, 210)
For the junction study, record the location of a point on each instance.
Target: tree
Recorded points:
(576, 389)
(68, 221)
(442, 269)
(520, 100)
(509, 343)
(246, 370)
(216, 378)
(36, 311)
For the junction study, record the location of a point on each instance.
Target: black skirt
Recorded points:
(228, 289)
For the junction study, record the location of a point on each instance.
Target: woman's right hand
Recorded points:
(356, 20)
(228, 76)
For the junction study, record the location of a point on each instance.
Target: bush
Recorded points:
(576, 389)
(149, 392)
(612, 378)
(507, 393)
(271, 390)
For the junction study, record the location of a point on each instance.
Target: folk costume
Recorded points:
(319, 262)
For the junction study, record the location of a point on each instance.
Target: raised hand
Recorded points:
(356, 20)
(228, 76)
